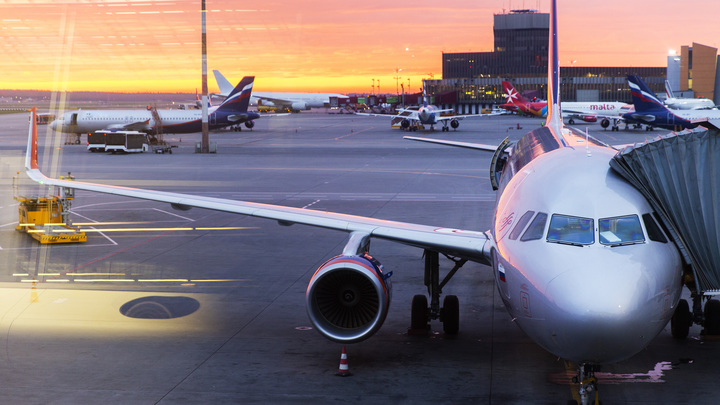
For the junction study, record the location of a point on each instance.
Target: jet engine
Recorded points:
(249, 124)
(348, 298)
(605, 123)
(405, 124)
(299, 105)
(454, 123)
(589, 118)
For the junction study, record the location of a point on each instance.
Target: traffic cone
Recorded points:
(343, 371)
(33, 292)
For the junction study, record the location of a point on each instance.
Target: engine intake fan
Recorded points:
(348, 298)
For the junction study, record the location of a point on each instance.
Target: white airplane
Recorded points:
(284, 101)
(684, 103)
(426, 114)
(578, 259)
(233, 111)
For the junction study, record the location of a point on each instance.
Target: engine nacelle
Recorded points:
(249, 124)
(348, 298)
(605, 123)
(299, 105)
(405, 124)
(589, 118)
(454, 123)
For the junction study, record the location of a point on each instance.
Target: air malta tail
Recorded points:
(239, 99)
(519, 104)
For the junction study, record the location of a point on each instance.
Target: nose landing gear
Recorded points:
(588, 390)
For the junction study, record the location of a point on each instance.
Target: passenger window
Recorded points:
(619, 231)
(653, 229)
(521, 224)
(576, 231)
(536, 228)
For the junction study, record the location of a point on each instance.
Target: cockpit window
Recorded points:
(521, 224)
(536, 228)
(620, 230)
(571, 230)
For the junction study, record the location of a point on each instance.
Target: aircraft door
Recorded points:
(73, 118)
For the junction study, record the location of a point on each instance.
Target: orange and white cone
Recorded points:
(33, 292)
(343, 371)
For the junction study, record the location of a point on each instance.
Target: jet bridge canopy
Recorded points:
(680, 175)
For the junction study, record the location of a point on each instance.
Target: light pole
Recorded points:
(397, 81)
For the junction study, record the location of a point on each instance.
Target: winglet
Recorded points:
(31, 156)
(554, 118)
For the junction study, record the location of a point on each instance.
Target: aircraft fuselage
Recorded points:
(575, 258)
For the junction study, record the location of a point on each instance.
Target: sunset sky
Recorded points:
(312, 45)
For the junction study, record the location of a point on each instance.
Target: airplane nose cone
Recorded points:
(54, 125)
(603, 316)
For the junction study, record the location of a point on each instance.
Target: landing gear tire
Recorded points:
(451, 315)
(571, 121)
(681, 320)
(419, 313)
(712, 317)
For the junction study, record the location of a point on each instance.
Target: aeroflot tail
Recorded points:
(239, 99)
(644, 99)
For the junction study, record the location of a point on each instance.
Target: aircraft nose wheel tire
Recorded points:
(451, 315)
(681, 320)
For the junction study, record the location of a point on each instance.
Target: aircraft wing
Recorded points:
(459, 117)
(470, 245)
(467, 145)
(133, 126)
(276, 101)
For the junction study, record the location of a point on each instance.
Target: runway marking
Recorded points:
(353, 133)
(311, 204)
(175, 215)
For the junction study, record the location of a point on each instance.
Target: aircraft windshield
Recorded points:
(620, 230)
(571, 230)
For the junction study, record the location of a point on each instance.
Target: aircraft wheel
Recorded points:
(571, 121)
(419, 313)
(681, 320)
(712, 317)
(451, 314)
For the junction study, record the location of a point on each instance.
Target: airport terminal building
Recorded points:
(472, 80)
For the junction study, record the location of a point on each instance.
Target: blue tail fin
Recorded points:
(644, 99)
(239, 99)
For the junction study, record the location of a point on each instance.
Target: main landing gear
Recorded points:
(421, 314)
(683, 319)
(588, 390)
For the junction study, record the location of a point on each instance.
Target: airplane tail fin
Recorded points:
(644, 99)
(239, 99)
(668, 90)
(223, 84)
(512, 95)
(554, 116)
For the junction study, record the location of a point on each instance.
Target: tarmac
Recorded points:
(144, 313)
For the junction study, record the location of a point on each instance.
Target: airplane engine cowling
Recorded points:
(300, 105)
(348, 298)
(605, 123)
(249, 124)
(405, 124)
(454, 123)
(589, 118)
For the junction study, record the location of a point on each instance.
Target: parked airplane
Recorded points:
(650, 111)
(233, 111)
(284, 101)
(585, 111)
(426, 114)
(578, 259)
(684, 103)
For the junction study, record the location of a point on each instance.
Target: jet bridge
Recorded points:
(680, 175)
